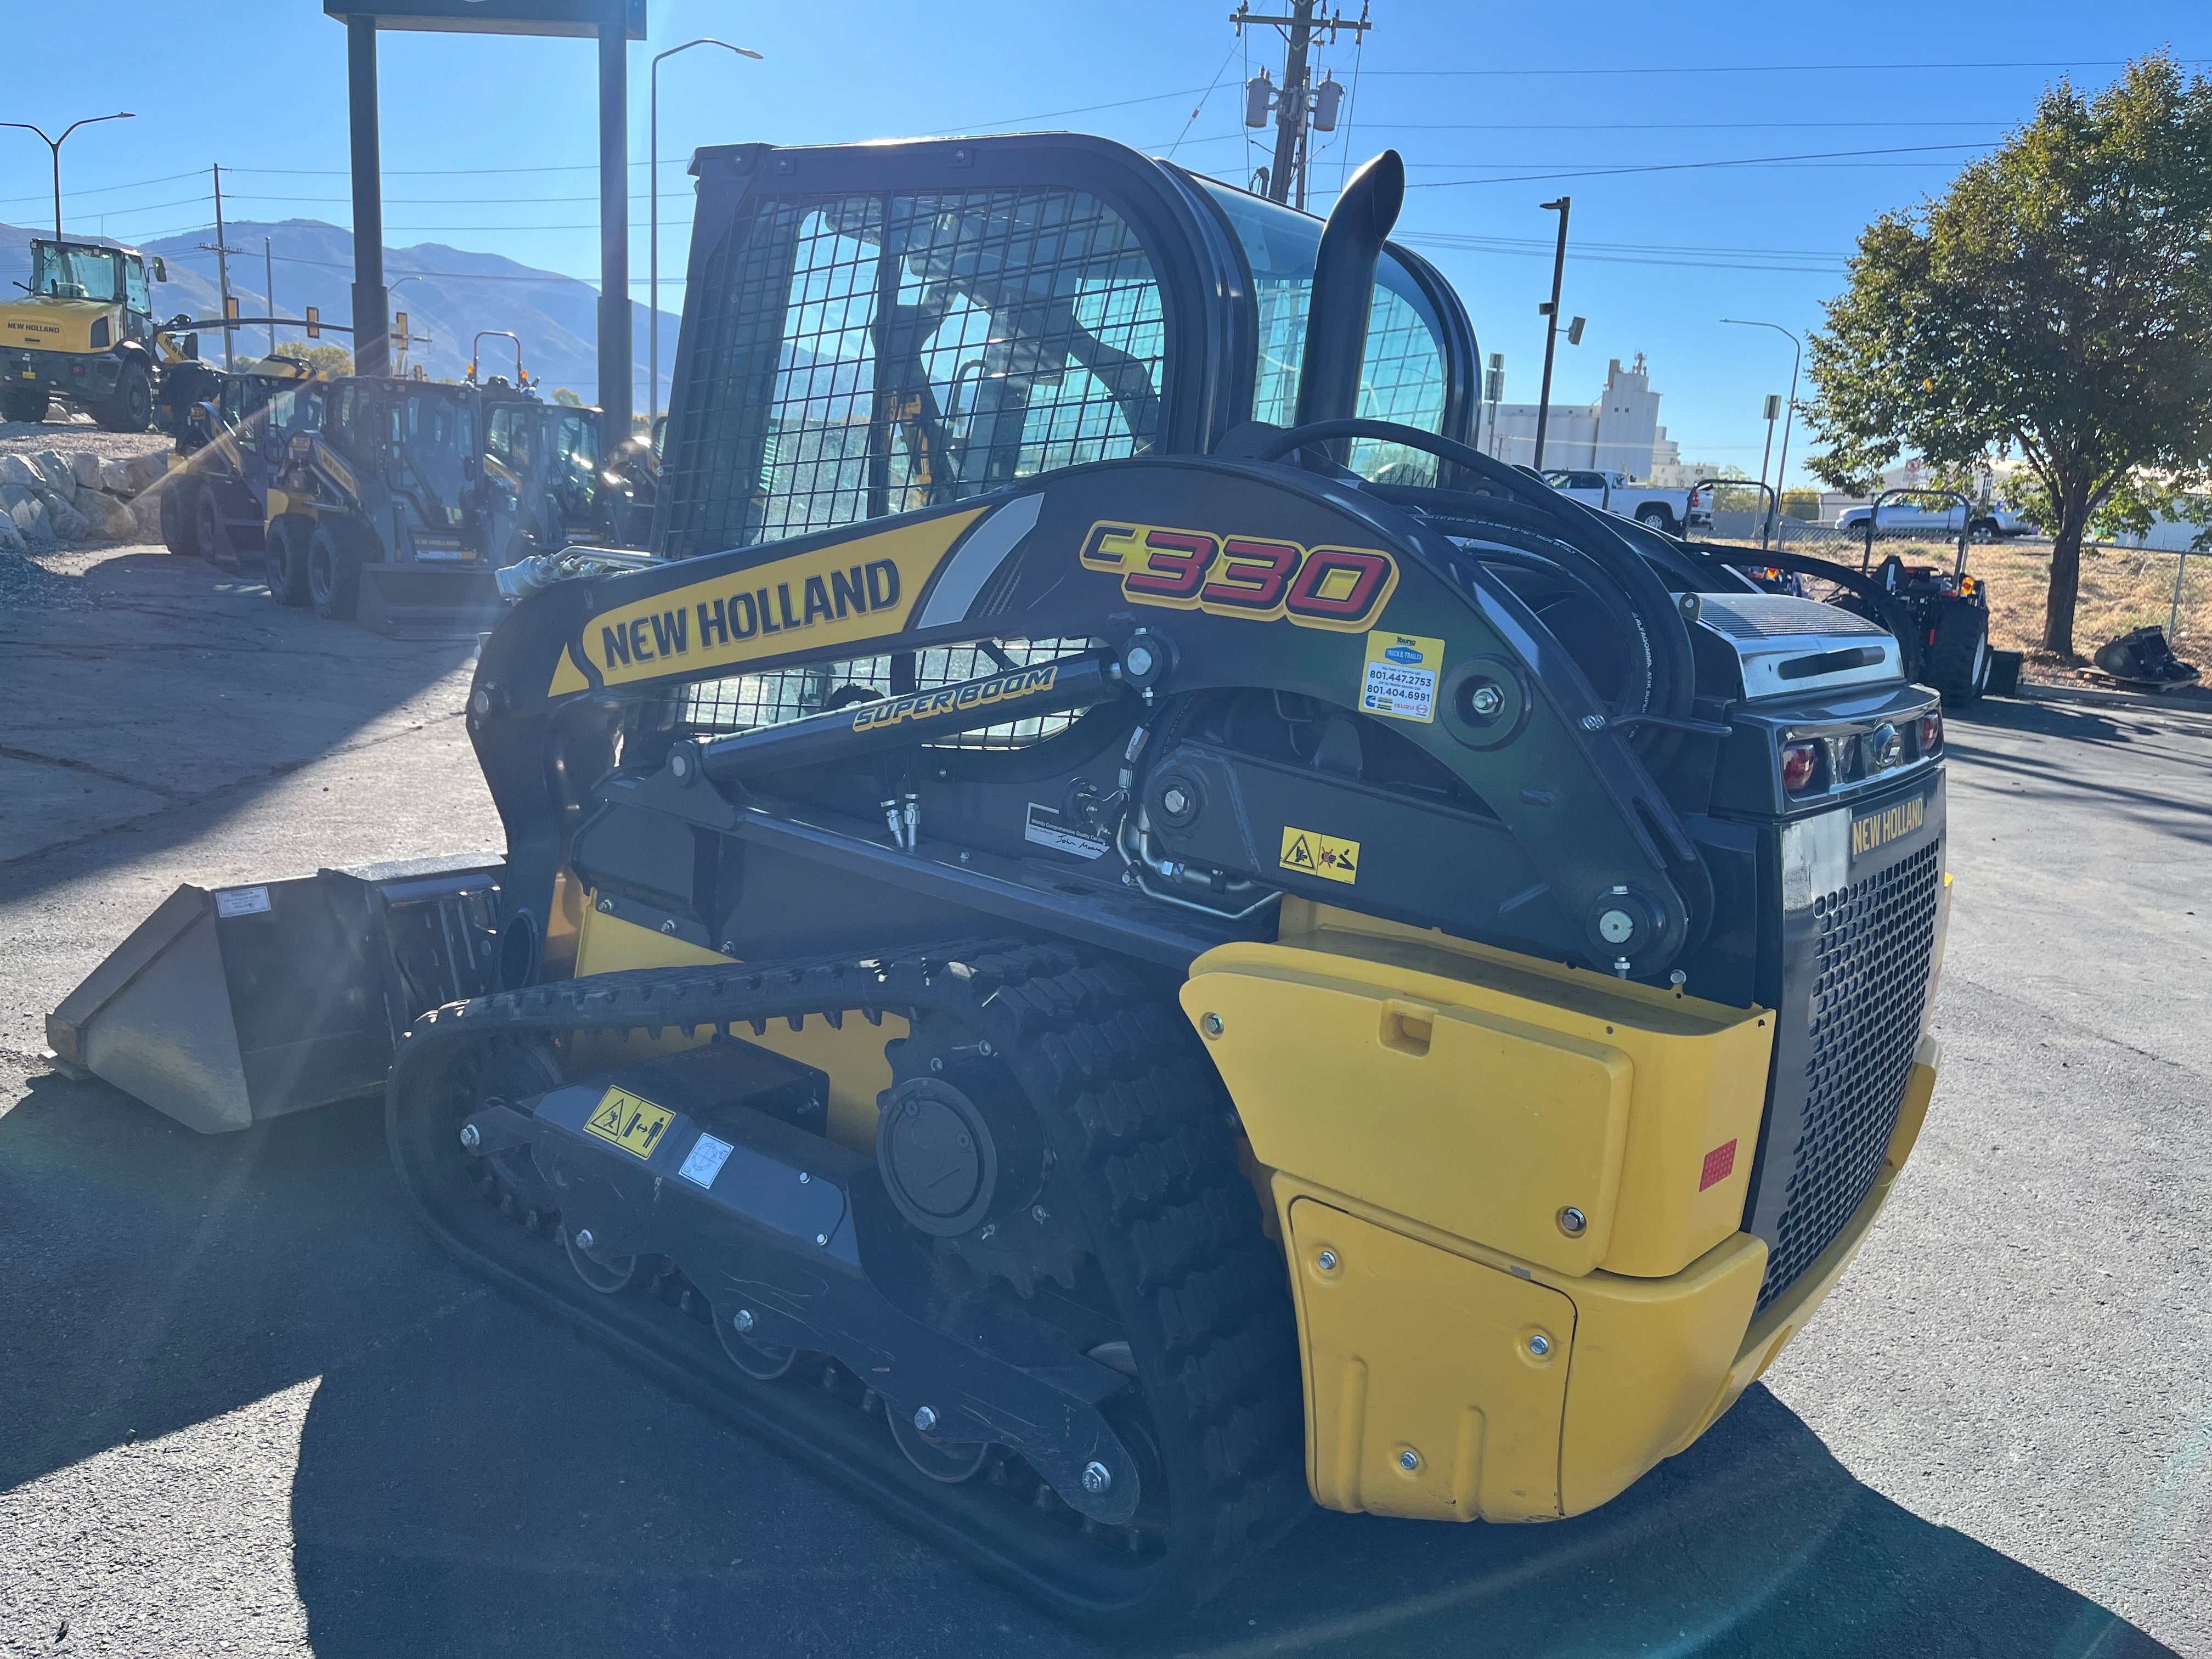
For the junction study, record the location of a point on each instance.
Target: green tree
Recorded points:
(562, 394)
(323, 359)
(2055, 302)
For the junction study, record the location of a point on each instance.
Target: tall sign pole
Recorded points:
(370, 350)
(614, 235)
(611, 24)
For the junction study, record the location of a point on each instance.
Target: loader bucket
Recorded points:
(429, 601)
(231, 1005)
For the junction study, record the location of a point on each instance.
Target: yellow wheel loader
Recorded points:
(1118, 934)
(84, 335)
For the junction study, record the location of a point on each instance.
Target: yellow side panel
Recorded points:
(1790, 1312)
(1919, 1089)
(852, 1057)
(1425, 1395)
(1652, 1357)
(1484, 1093)
(1483, 1127)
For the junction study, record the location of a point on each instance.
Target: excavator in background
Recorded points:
(1117, 932)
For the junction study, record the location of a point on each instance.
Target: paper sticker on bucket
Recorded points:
(241, 902)
(1401, 676)
(1312, 853)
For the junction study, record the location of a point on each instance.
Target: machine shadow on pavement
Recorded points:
(2098, 733)
(473, 1478)
(165, 684)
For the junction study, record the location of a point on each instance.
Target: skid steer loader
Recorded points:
(1120, 932)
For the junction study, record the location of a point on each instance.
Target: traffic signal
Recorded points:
(315, 320)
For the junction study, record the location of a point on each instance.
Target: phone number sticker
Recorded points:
(1402, 670)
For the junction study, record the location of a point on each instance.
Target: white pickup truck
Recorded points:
(1991, 522)
(1671, 510)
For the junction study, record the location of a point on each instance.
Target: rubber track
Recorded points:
(1143, 1140)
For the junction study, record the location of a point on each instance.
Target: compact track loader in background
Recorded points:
(232, 430)
(400, 501)
(1122, 930)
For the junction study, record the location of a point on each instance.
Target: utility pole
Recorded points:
(1299, 109)
(1551, 323)
(269, 289)
(221, 249)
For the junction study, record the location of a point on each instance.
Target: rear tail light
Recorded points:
(1800, 761)
(1931, 732)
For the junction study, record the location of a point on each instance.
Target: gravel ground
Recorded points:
(71, 433)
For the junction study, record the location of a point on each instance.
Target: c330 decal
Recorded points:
(1257, 578)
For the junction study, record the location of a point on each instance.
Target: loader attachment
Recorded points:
(231, 1005)
(418, 599)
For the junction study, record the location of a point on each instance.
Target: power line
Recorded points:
(1684, 167)
(1218, 74)
(1891, 67)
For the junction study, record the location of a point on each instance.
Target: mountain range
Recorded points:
(448, 294)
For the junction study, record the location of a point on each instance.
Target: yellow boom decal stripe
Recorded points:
(858, 591)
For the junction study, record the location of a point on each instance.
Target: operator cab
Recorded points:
(102, 275)
(890, 327)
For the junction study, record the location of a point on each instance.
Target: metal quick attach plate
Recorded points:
(1787, 647)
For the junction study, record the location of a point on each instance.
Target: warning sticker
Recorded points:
(705, 1161)
(623, 1120)
(1401, 676)
(1312, 853)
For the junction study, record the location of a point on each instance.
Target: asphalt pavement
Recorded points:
(247, 1408)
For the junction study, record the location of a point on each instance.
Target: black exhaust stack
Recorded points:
(1344, 291)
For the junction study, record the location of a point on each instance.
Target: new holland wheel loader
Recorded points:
(1121, 933)
(85, 335)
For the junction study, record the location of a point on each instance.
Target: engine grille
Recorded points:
(1871, 976)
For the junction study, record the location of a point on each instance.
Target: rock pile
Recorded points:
(48, 499)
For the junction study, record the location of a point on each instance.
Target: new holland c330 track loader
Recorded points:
(1119, 933)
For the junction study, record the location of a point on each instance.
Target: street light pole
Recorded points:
(1789, 412)
(1551, 323)
(55, 145)
(653, 255)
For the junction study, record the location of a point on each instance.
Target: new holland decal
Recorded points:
(1256, 578)
(1878, 828)
(857, 590)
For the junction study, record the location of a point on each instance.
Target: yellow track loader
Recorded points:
(1119, 935)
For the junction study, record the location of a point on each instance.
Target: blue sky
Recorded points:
(489, 143)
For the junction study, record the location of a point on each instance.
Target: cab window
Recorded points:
(296, 408)
(1402, 378)
(872, 354)
(76, 273)
(136, 296)
(499, 436)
